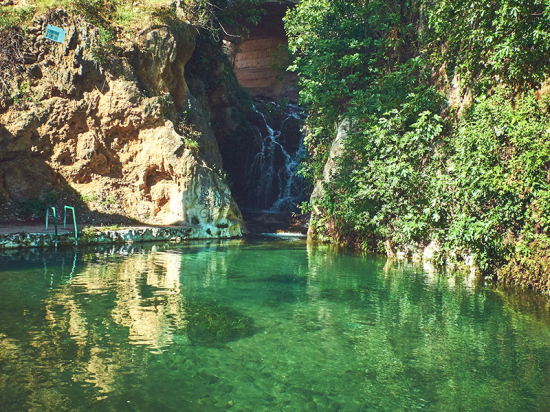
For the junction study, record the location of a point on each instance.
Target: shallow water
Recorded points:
(263, 325)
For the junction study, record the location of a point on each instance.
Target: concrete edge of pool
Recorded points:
(17, 237)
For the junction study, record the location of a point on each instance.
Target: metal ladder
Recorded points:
(54, 214)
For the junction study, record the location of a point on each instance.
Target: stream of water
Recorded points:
(263, 325)
(273, 171)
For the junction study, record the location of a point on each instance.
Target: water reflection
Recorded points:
(263, 326)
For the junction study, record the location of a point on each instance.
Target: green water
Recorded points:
(263, 326)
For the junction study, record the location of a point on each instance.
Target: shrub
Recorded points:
(499, 169)
(529, 266)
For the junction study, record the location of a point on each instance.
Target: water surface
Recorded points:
(262, 326)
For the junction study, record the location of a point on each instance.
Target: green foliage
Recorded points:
(191, 144)
(529, 266)
(499, 169)
(88, 197)
(472, 189)
(14, 16)
(343, 49)
(98, 12)
(107, 201)
(105, 51)
(387, 180)
(488, 42)
(186, 129)
(356, 61)
(50, 197)
(23, 94)
(412, 171)
(219, 18)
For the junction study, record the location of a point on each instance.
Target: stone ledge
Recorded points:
(101, 236)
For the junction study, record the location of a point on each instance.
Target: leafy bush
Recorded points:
(485, 180)
(387, 180)
(345, 53)
(499, 169)
(489, 43)
(412, 169)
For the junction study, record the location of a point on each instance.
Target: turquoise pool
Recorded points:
(263, 325)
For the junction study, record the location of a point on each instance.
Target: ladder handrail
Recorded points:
(74, 220)
(54, 213)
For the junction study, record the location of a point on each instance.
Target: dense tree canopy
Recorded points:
(414, 170)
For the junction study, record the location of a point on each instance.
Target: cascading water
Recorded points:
(271, 175)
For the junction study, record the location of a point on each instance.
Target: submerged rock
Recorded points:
(210, 324)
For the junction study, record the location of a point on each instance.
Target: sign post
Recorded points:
(55, 34)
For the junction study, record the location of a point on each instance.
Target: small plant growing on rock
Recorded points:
(88, 197)
(191, 144)
(23, 94)
(185, 128)
(109, 200)
(112, 228)
(105, 51)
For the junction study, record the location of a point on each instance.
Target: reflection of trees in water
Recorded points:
(424, 338)
(393, 336)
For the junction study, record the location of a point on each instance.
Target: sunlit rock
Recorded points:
(123, 135)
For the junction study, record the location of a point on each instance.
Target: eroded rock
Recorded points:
(112, 131)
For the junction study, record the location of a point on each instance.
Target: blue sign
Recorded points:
(55, 34)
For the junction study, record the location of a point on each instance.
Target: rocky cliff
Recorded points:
(261, 59)
(114, 130)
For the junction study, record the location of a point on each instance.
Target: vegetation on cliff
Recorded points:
(118, 21)
(449, 140)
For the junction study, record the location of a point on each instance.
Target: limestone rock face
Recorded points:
(256, 58)
(124, 134)
(254, 64)
(336, 150)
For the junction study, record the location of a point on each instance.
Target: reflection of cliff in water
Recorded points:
(149, 307)
(148, 298)
(169, 328)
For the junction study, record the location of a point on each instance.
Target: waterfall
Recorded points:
(271, 176)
